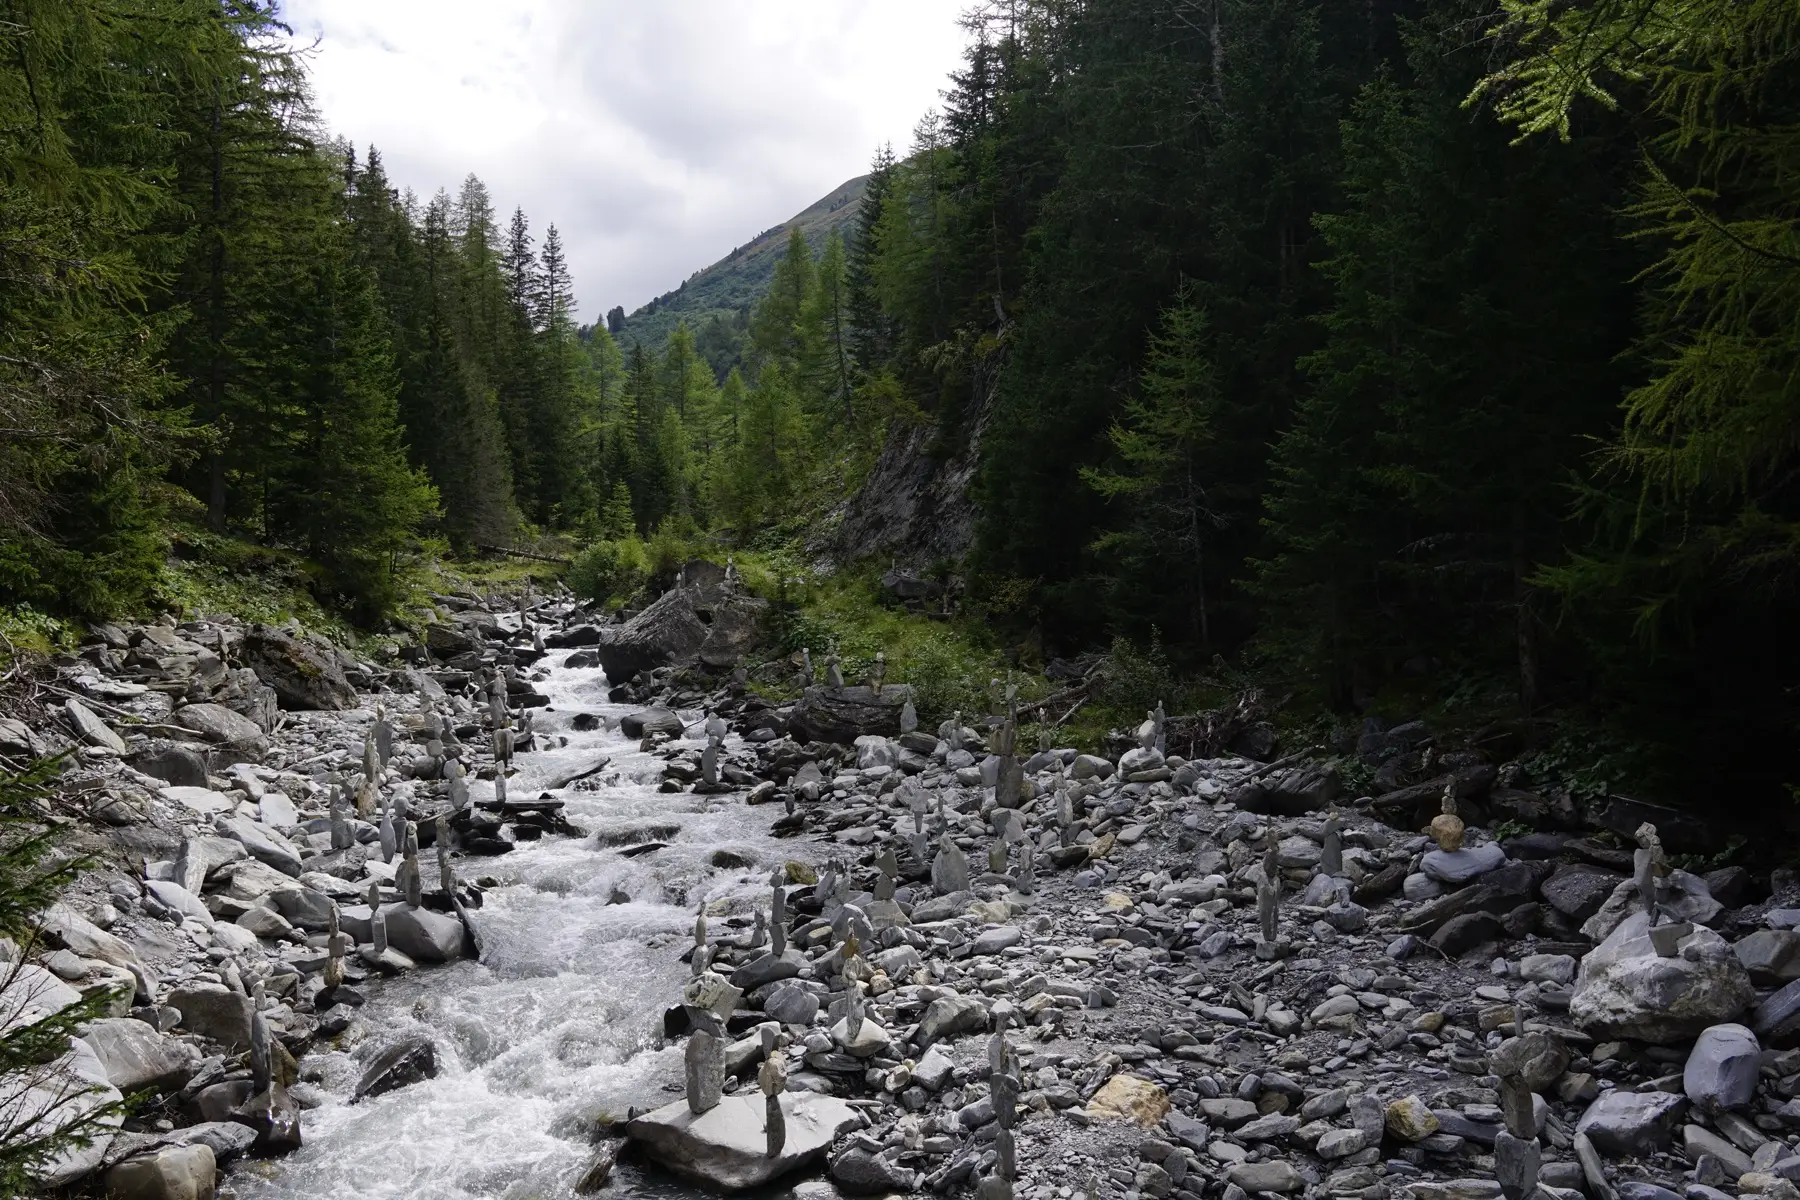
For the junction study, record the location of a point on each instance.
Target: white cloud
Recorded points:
(656, 135)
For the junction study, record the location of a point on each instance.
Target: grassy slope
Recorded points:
(740, 278)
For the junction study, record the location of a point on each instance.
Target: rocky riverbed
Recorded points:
(1006, 969)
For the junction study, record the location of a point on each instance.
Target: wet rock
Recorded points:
(171, 1173)
(275, 1118)
(1624, 989)
(407, 1061)
(650, 720)
(303, 675)
(1632, 1123)
(1722, 1069)
(423, 935)
(726, 1147)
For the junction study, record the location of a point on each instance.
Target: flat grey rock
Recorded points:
(726, 1147)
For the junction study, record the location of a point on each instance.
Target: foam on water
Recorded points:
(561, 1019)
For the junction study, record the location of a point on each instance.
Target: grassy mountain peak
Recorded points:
(730, 286)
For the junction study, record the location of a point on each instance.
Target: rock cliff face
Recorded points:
(914, 506)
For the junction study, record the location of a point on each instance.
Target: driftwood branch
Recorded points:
(510, 552)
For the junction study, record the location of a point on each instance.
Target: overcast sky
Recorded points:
(655, 134)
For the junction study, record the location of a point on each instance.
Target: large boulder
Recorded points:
(68, 1090)
(69, 930)
(407, 1061)
(1722, 1069)
(215, 1011)
(183, 766)
(1624, 989)
(1290, 793)
(714, 623)
(136, 1056)
(651, 720)
(726, 1146)
(1632, 1123)
(171, 1173)
(220, 725)
(423, 935)
(845, 714)
(264, 844)
(304, 674)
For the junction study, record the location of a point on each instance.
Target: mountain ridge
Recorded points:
(734, 283)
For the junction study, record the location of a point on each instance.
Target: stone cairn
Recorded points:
(1331, 853)
(500, 722)
(806, 668)
(878, 672)
(708, 1000)
(1268, 900)
(1004, 1087)
(771, 1078)
(1447, 827)
(342, 836)
(834, 670)
(1650, 872)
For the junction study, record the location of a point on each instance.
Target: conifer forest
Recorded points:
(1446, 350)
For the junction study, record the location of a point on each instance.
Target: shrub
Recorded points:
(610, 572)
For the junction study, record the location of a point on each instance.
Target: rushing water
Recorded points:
(560, 1020)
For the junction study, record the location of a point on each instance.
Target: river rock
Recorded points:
(303, 675)
(1625, 990)
(709, 622)
(182, 766)
(264, 845)
(71, 931)
(1722, 1069)
(948, 1016)
(1460, 866)
(859, 1171)
(199, 857)
(845, 714)
(90, 728)
(31, 995)
(171, 1173)
(1685, 898)
(650, 720)
(135, 1056)
(407, 1061)
(1577, 890)
(1537, 1057)
(1772, 956)
(1128, 1098)
(768, 968)
(72, 1087)
(214, 1011)
(791, 1005)
(423, 935)
(726, 1148)
(1410, 1119)
(1624, 1123)
(220, 725)
(1274, 1175)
